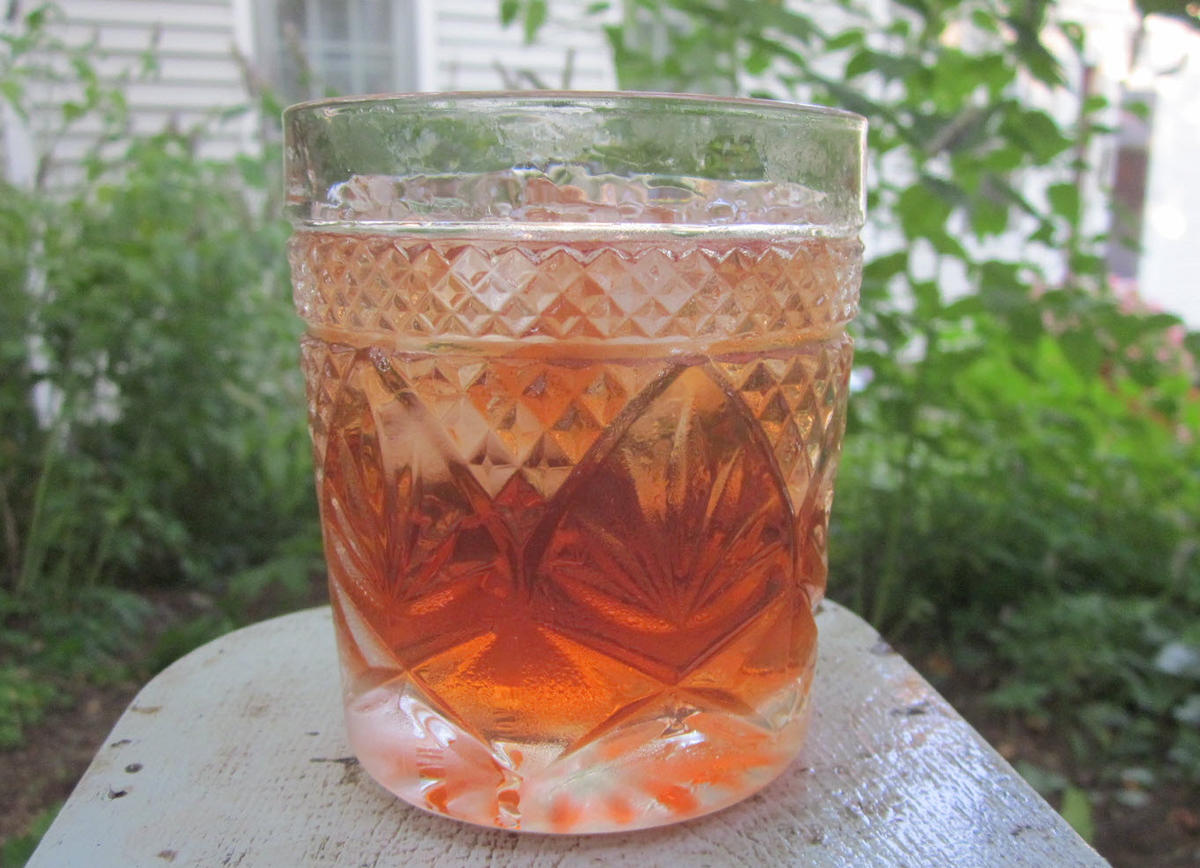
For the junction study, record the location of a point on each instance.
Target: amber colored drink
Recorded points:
(575, 496)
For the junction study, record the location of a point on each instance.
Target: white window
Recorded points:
(1130, 173)
(315, 48)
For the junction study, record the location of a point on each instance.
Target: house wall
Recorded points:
(197, 77)
(472, 52)
(462, 47)
(1165, 66)
(201, 45)
(1169, 275)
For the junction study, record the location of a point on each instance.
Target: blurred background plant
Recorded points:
(1019, 499)
(1019, 485)
(153, 412)
(1019, 496)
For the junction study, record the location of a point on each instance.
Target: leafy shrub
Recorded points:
(17, 851)
(1126, 670)
(149, 385)
(48, 651)
(167, 333)
(150, 369)
(23, 700)
(1018, 474)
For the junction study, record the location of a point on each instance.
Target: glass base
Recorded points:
(669, 760)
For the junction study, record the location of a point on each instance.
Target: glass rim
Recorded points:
(606, 98)
(441, 161)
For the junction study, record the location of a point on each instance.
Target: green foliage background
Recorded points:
(153, 409)
(1019, 486)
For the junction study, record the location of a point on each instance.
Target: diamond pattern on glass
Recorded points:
(575, 499)
(640, 290)
(674, 534)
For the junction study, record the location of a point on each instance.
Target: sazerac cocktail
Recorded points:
(575, 469)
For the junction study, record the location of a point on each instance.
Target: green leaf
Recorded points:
(988, 217)
(995, 71)
(1077, 811)
(1044, 234)
(1039, 132)
(84, 69)
(884, 268)
(12, 91)
(846, 39)
(508, 11)
(1065, 201)
(535, 17)
(985, 21)
(758, 61)
(946, 244)
(862, 62)
(950, 81)
(967, 306)
(922, 212)
(1004, 294)
(1083, 351)
(1087, 263)
(1004, 158)
(1076, 33)
(1039, 61)
(36, 19)
(1018, 696)
(1138, 108)
(1157, 322)
(928, 297)
(597, 8)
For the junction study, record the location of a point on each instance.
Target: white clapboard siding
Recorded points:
(149, 120)
(469, 43)
(207, 15)
(198, 75)
(133, 38)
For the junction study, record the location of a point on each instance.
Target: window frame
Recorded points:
(409, 46)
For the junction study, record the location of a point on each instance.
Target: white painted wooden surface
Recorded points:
(235, 756)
